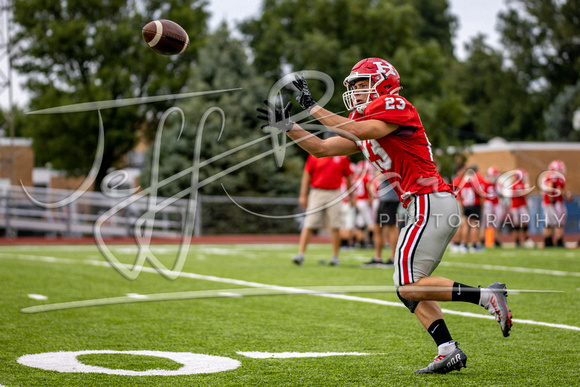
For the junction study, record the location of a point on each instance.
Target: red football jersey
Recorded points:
(327, 172)
(470, 189)
(554, 183)
(362, 190)
(490, 192)
(404, 156)
(465, 192)
(518, 199)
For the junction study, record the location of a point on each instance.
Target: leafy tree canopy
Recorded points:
(78, 51)
(542, 41)
(332, 35)
(223, 64)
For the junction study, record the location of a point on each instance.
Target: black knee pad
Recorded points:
(411, 305)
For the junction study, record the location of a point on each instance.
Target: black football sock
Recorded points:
(465, 293)
(439, 332)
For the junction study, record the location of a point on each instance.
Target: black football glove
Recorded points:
(305, 98)
(278, 118)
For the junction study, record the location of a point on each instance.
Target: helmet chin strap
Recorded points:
(360, 108)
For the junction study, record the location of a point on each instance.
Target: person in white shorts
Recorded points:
(321, 196)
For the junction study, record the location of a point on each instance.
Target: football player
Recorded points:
(519, 214)
(553, 204)
(469, 189)
(364, 221)
(386, 128)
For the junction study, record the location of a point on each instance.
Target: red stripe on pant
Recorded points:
(420, 209)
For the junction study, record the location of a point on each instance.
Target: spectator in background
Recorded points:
(555, 212)
(320, 195)
(364, 214)
(348, 213)
(386, 221)
(468, 187)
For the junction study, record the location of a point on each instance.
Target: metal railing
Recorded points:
(117, 216)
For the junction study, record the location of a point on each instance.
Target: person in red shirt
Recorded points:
(347, 233)
(469, 188)
(364, 221)
(519, 215)
(555, 213)
(386, 128)
(321, 196)
(385, 204)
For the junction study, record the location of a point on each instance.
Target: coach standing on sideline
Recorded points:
(321, 196)
(387, 129)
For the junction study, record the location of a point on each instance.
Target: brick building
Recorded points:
(16, 160)
(534, 157)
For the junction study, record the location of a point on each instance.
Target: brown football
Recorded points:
(165, 37)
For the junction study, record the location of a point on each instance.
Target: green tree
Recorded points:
(223, 64)
(500, 104)
(541, 40)
(82, 51)
(332, 35)
(560, 115)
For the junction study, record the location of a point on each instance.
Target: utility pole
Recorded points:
(6, 87)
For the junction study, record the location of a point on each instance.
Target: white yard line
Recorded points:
(292, 355)
(276, 287)
(37, 297)
(512, 269)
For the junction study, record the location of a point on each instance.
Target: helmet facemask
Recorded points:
(351, 94)
(378, 86)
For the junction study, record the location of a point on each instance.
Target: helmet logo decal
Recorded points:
(382, 78)
(383, 67)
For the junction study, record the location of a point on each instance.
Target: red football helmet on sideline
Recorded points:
(492, 173)
(383, 79)
(558, 166)
(523, 174)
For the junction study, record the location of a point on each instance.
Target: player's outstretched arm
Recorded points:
(333, 146)
(345, 127)
(280, 119)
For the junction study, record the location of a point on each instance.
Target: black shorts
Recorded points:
(387, 213)
(472, 212)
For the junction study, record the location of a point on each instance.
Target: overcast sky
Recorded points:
(475, 16)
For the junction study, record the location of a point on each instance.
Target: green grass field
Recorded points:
(367, 337)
